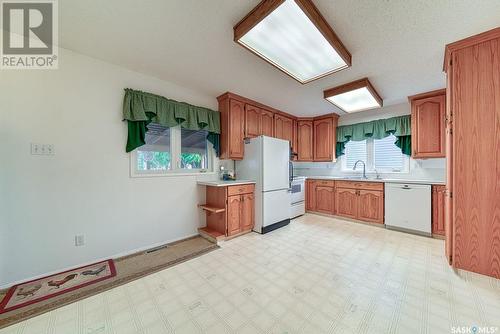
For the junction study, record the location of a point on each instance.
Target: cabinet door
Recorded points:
(283, 127)
(325, 199)
(310, 195)
(236, 129)
(233, 214)
(267, 123)
(252, 121)
(305, 140)
(323, 141)
(347, 202)
(247, 212)
(294, 141)
(438, 193)
(371, 206)
(428, 133)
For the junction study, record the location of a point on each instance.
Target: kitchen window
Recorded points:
(172, 151)
(381, 155)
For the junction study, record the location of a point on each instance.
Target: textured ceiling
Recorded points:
(397, 44)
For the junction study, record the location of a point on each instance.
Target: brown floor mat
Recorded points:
(128, 268)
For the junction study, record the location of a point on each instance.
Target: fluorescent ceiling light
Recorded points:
(354, 96)
(293, 36)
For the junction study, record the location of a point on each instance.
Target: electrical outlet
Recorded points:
(42, 149)
(79, 240)
(35, 149)
(50, 149)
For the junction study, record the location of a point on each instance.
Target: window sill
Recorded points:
(171, 174)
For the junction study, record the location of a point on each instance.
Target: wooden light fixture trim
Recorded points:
(350, 86)
(266, 7)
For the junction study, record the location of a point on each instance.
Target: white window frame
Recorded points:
(370, 162)
(175, 153)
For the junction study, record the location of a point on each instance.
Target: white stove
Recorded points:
(298, 197)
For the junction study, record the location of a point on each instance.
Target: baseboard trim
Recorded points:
(115, 256)
(269, 228)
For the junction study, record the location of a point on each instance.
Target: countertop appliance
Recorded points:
(408, 207)
(298, 197)
(266, 161)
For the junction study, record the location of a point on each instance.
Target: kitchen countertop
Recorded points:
(409, 181)
(219, 183)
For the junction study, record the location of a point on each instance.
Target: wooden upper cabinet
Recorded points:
(267, 123)
(232, 119)
(252, 121)
(428, 124)
(371, 206)
(347, 202)
(283, 127)
(305, 140)
(323, 139)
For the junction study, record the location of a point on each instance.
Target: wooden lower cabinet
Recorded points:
(247, 216)
(347, 203)
(355, 200)
(371, 206)
(325, 199)
(438, 198)
(233, 214)
(310, 195)
(230, 210)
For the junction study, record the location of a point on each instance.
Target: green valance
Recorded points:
(399, 126)
(141, 108)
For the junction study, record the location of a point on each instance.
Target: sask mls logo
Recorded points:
(29, 34)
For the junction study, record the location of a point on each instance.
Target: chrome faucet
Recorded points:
(364, 167)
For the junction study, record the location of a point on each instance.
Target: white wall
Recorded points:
(85, 187)
(428, 169)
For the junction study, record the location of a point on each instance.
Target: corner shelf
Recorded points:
(211, 209)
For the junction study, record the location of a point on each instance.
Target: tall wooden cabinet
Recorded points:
(472, 220)
(324, 138)
(283, 127)
(305, 140)
(232, 120)
(428, 124)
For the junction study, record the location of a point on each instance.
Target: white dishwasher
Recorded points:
(408, 207)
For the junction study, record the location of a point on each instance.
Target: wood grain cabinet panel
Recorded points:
(252, 121)
(438, 197)
(347, 202)
(371, 206)
(428, 124)
(474, 66)
(305, 140)
(267, 123)
(323, 139)
(232, 119)
(283, 128)
(325, 199)
(233, 214)
(310, 195)
(247, 212)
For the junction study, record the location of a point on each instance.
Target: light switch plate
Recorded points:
(79, 240)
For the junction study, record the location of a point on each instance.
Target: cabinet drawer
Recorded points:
(326, 183)
(361, 185)
(241, 189)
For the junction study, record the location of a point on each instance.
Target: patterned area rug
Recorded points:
(128, 268)
(48, 287)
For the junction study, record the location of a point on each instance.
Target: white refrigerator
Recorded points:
(267, 162)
